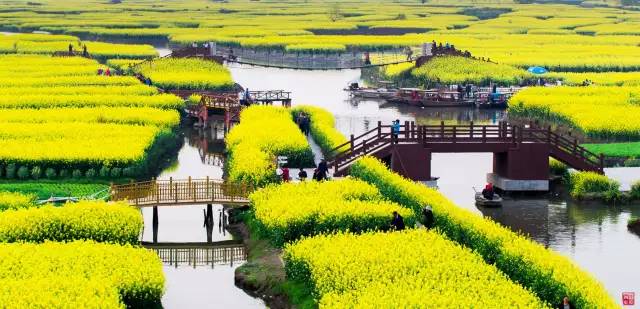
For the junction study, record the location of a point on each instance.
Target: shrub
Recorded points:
(116, 172)
(14, 200)
(400, 270)
(76, 174)
(557, 168)
(11, 171)
(36, 172)
(104, 172)
(635, 190)
(289, 211)
(23, 172)
(50, 173)
(547, 274)
(90, 173)
(589, 184)
(64, 173)
(99, 221)
(79, 275)
(128, 172)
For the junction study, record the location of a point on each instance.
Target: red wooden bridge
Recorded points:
(521, 153)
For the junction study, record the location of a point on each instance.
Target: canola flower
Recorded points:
(93, 143)
(461, 70)
(79, 272)
(163, 101)
(264, 132)
(409, 269)
(14, 200)
(606, 112)
(322, 127)
(288, 211)
(587, 184)
(185, 73)
(86, 220)
(549, 275)
(117, 115)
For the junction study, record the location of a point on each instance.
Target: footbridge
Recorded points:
(173, 192)
(199, 254)
(520, 152)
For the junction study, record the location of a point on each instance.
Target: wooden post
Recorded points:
(379, 129)
(442, 130)
(454, 134)
(471, 129)
(484, 134)
(575, 145)
(406, 130)
(549, 135)
(352, 138)
(513, 134)
(364, 146)
(601, 161)
(413, 130)
(175, 191)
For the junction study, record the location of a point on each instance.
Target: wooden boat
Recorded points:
(482, 201)
(431, 98)
(370, 93)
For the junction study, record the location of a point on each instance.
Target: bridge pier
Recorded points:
(155, 224)
(522, 168)
(410, 161)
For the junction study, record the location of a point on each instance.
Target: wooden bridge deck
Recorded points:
(199, 254)
(465, 138)
(182, 192)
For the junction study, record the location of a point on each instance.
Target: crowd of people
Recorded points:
(320, 173)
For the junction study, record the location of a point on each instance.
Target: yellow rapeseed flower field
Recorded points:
(410, 269)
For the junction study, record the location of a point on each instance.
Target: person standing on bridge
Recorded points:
(395, 130)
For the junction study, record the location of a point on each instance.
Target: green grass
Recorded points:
(631, 149)
(44, 190)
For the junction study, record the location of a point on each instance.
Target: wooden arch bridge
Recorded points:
(190, 191)
(520, 152)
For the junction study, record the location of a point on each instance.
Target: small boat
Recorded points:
(482, 201)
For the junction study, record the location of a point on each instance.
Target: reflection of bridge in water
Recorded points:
(199, 254)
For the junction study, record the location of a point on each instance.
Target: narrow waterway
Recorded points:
(594, 235)
(203, 286)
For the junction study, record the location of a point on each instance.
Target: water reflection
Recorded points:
(594, 236)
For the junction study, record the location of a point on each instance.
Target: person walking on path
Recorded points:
(566, 304)
(302, 175)
(397, 222)
(70, 49)
(323, 168)
(285, 174)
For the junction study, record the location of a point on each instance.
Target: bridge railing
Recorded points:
(167, 192)
(382, 136)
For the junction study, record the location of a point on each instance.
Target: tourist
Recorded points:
(323, 168)
(148, 81)
(84, 51)
(194, 45)
(566, 304)
(409, 53)
(285, 174)
(488, 192)
(395, 130)
(468, 90)
(302, 175)
(100, 71)
(367, 59)
(397, 222)
(107, 72)
(306, 125)
(70, 49)
(427, 216)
